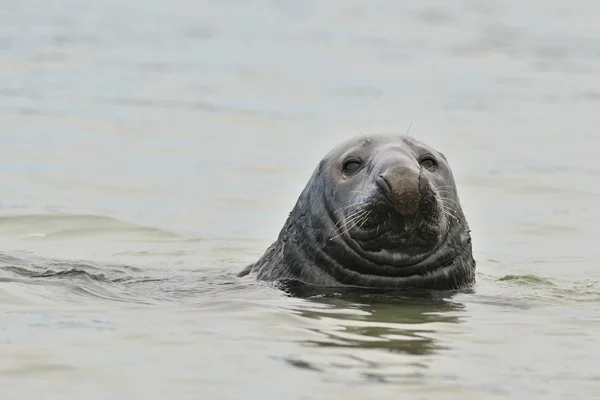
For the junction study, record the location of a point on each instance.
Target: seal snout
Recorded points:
(400, 185)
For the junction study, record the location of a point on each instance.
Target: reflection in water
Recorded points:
(355, 324)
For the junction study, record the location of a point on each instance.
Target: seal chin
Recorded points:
(406, 254)
(395, 262)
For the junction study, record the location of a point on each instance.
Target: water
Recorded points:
(149, 150)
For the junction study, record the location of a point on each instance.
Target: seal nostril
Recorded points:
(383, 184)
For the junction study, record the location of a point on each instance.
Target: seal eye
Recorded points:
(351, 165)
(428, 162)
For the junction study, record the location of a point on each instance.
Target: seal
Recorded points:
(379, 211)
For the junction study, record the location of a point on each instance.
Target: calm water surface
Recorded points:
(149, 150)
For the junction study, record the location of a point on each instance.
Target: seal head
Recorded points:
(378, 211)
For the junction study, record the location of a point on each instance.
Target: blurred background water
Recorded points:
(149, 150)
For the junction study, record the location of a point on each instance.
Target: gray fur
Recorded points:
(320, 243)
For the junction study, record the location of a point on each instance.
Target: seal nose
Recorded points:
(400, 185)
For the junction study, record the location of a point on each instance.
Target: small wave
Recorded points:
(88, 281)
(70, 281)
(534, 290)
(526, 280)
(71, 273)
(60, 225)
(38, 265)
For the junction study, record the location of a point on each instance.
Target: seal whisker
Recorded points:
(357, 204)
(359, 140)
(355, 222)
(361, 200)
(446, 210)
(446, 205)
(356, 215)
(448, 193)
(448, 196)
(448, 213)
(408, 129)
(451, 201)
(352, 217)
(365, 219)
(358, 207)
(442, 191)
(444, 187)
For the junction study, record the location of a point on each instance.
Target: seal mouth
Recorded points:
(395, 244)
(420, 228)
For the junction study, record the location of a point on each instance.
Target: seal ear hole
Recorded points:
(351, 165)
(428, 162)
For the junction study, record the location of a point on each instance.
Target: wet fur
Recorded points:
(307, 251)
